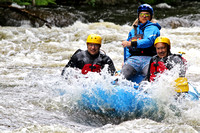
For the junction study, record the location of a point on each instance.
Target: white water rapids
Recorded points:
(31, 61)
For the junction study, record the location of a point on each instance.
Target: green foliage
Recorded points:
(150, 1)
(37, 2)
(91, 2)
(22, 2)
(5, 1)
(44, 2)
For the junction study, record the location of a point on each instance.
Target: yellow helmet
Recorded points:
(94, 38)
(163, 40)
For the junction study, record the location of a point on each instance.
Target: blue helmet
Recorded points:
(145, 7)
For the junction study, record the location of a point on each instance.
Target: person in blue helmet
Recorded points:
(139, 46)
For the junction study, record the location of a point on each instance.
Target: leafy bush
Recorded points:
(44, 2)
(37, 2)
(91, 2)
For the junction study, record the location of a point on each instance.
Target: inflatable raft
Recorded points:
(118, 101)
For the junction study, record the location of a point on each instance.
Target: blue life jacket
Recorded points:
(145, 34)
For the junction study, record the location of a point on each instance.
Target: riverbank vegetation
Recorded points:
(86, 2)
(30, 2)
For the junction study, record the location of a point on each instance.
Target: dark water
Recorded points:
(127, 13)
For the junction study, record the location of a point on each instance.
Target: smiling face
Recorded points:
(144, 16)
(93, 49)
(161, 49)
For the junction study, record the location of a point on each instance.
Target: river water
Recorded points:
(35, 98)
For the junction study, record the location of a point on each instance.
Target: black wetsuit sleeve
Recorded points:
(111, 67)
(72, 62)
(179, 60)
(148, 73)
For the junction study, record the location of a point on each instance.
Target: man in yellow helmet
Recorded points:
(91, 59)
(165, 60)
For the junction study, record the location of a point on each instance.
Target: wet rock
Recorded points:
(35, 16)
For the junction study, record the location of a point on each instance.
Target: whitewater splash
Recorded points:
(31, 63)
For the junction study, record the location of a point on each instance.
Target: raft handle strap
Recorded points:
(195, 89)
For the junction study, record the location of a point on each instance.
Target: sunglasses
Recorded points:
(144, 14)
(95, 45)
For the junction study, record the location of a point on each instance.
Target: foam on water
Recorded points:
(35, 97)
